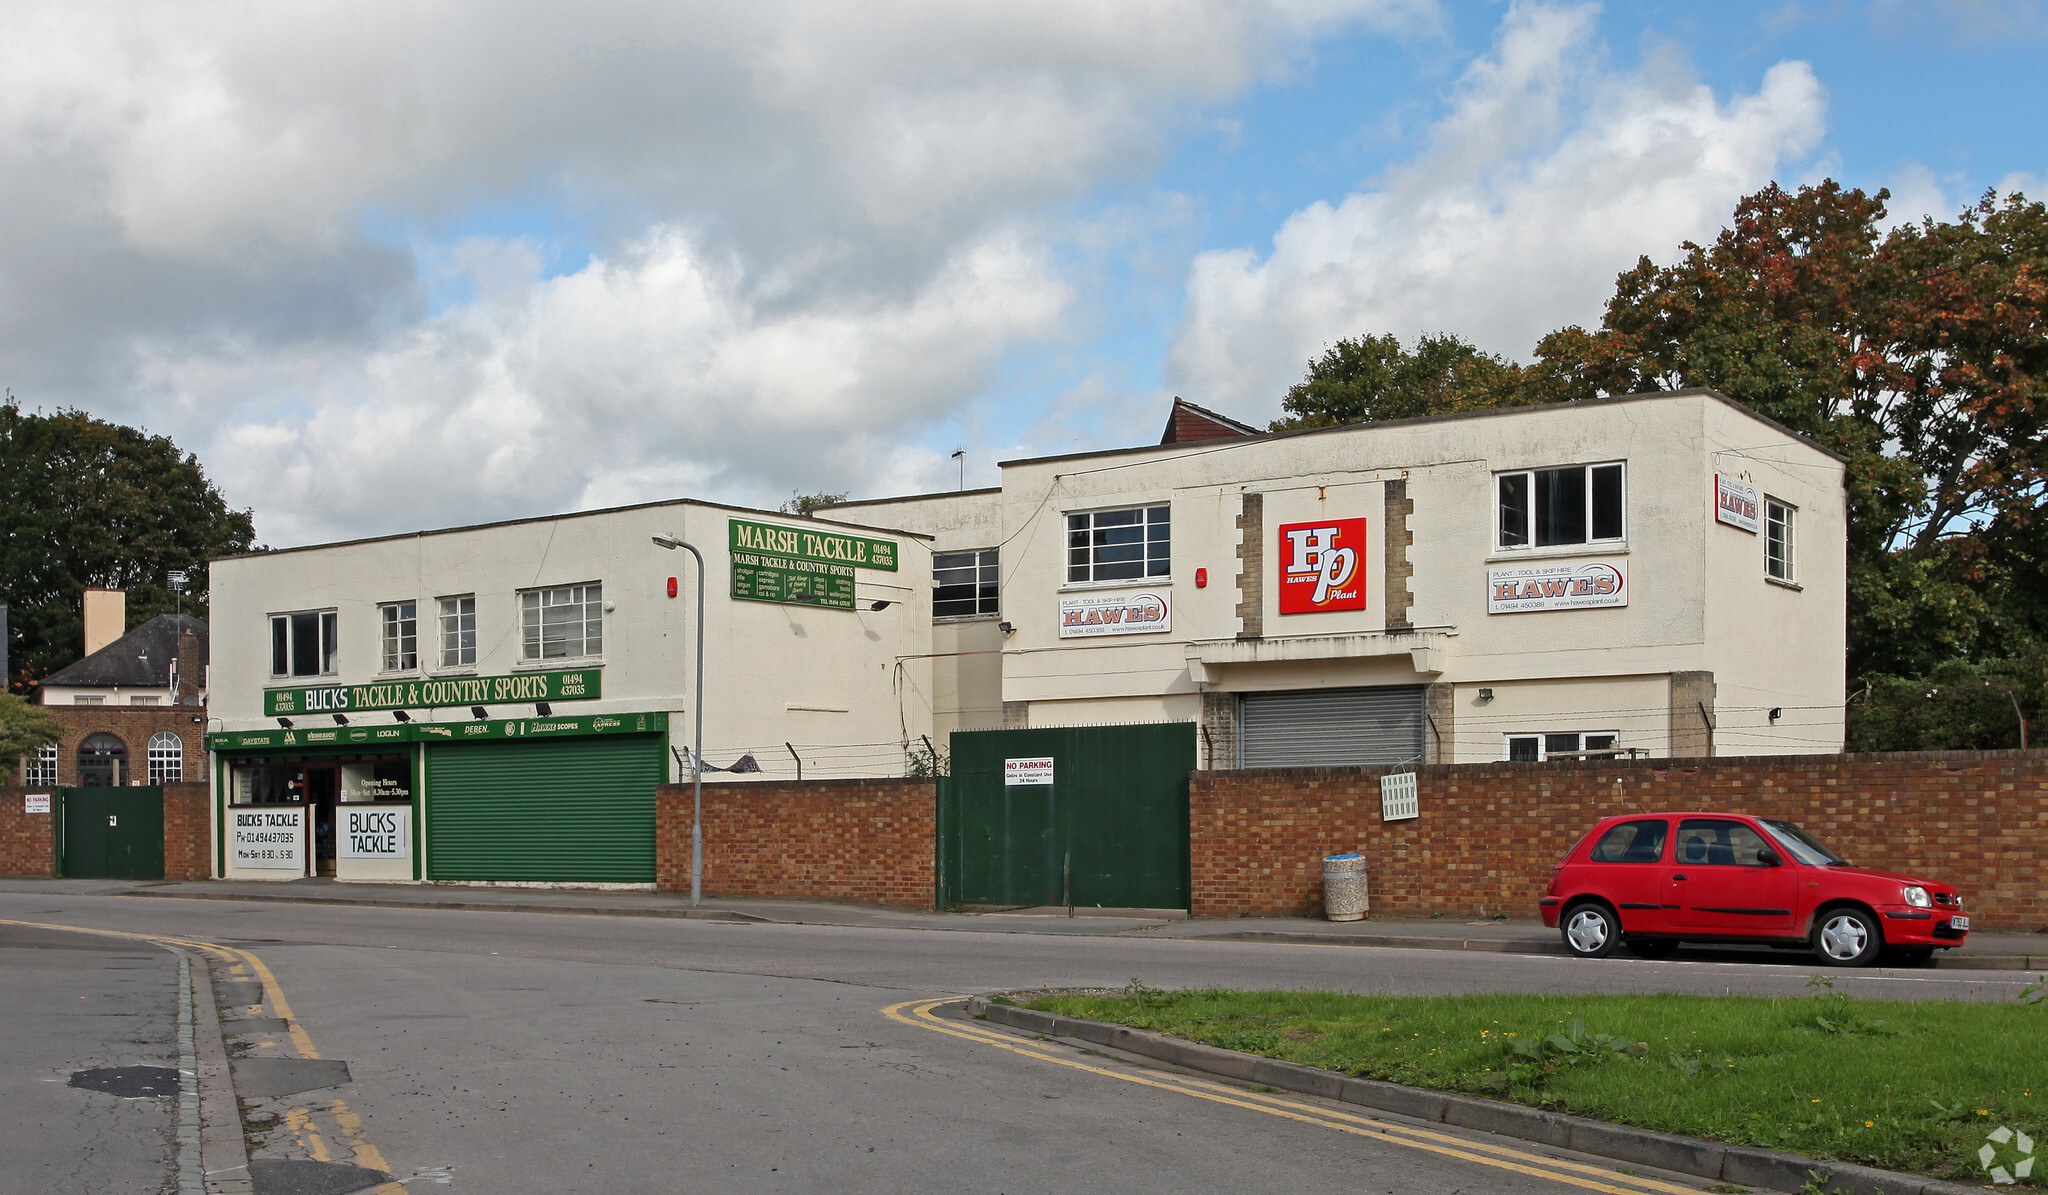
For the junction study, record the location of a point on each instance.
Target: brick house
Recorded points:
(134, 709)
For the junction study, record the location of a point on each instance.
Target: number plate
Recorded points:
(1959, 923)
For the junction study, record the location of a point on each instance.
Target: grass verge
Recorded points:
(1901, 1085)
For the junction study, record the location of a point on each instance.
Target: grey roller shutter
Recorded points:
(574, 809)
(1331, 727)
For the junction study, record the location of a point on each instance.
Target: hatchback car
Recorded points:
(1651, 881)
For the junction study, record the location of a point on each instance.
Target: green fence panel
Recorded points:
(112, 833)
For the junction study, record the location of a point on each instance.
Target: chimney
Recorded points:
(106, 617)
(188, 669)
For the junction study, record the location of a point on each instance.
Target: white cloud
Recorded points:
(1547, 177)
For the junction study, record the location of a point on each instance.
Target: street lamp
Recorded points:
(672, 542)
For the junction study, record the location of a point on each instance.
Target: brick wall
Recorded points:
(133, 725)
(869, 841)
(1489, 833)
(28, 841)
(188, 830)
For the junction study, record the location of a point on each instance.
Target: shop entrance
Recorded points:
(323, 787)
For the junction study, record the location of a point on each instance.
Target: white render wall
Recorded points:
(773, 673)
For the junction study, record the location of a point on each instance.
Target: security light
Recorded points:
(543, 709)
(881, 605)
(285, 722)
(671, 542)
(478, 712)
(401, 715)
(1486, 694)
(341, 719)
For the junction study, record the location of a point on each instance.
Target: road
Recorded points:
(513, 1052)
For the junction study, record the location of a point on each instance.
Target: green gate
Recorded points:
(1110, 830)
(572, 809)
(111, 833)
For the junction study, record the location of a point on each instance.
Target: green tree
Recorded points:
(1367, 379)
(804, 504)
(86, 503)
(1974, 705)
(23, 728)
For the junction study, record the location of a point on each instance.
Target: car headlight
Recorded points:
(1917, 897)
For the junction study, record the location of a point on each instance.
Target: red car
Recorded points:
(1650, 881)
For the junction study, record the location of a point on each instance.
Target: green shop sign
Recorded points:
(803, 543)
(800, 566)
(581, 685)
(439, 732)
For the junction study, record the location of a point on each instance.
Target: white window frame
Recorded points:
(166, 758)
(587, 596)
(1150, 569)
(457, 619)
(1548, 741)
(84, 699)
(40, 766)
(1528, 528)
(398, 637)
(1780, 541)
(982, 573)
(327, 647)
(145, 699)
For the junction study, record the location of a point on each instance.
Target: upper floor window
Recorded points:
(166, 758)
(458, 631)
(303, 644)
(1574, 504)
(401, 623)
(1778, 540)
(562, 623)
(82, 699)
(151, 700)
(1534, 748)
(1120, 545)
(964, 583)
(42, 766)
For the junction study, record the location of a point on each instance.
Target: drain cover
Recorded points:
(128, 1082)
(279, 1176)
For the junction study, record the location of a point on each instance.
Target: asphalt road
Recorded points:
(512, 1052)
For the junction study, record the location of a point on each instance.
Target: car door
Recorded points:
(1719, 883)
(1623, 868)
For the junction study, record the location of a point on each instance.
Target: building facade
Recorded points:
(133, 707)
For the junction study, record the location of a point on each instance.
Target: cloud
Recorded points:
(1548, 176)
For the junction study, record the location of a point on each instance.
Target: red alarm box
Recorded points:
(671, 586)
(1201, 578)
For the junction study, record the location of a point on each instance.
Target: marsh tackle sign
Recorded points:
(1322, 566)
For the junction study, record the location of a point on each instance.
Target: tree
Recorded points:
(1367, 379)
(804, 504)
(23, 728)
(87, 503)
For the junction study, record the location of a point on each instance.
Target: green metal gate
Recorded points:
(565, 810)
(1111, 830)
(111, 833)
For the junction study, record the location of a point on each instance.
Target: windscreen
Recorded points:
(1801, 845)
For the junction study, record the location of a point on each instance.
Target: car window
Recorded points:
(1711, 842)
(1632, 842)
(1801, 845)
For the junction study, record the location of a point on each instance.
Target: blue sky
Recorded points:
(387, 268)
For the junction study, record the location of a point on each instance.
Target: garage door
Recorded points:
(1330, 727)
(577, 809)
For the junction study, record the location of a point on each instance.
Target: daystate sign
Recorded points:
(1088, 615)
(1556, 587)
(577, 685)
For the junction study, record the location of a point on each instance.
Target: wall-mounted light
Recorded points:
(543, 709)
(1776, 713)
(478, 712)
(285, 722)
(1486, 694)
(341, 719)
(401, 715)
(1005, 628)
(881, 605)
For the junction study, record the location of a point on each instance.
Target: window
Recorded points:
(964, 584)
(1576, 504)
(1531, 748)
(401, 622)
(1632, 842)
(145, 701)
(166, 758)
(1778, 540)
(102, 761)
(458, 631)
(561, 624)
(1119, 545)
(1711, 842)
(82, 699)
(303, 644)
(42, 766)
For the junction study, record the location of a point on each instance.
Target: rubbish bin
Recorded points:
(1344, 896)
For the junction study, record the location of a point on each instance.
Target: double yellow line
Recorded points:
(362, 1152)
(1484, 1153)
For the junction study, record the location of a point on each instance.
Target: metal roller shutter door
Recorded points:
(563, 809)
(1330, 727)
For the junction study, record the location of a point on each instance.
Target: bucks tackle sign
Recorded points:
(580, 685)
(801, 566)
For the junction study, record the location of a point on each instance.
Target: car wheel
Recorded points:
(1847, 938)
(1590, 930)
(1651, 947)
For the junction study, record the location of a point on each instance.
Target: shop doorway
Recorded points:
(323, 788)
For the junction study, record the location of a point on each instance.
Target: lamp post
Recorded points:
(673, 542)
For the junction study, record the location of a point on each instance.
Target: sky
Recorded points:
(386, 267)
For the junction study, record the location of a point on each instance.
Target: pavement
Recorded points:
(1985, 950)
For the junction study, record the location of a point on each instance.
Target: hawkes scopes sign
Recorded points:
(580, 685)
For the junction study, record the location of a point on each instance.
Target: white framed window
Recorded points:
(1570, 504)
(1569, 744)
(458, 631)
(401, 637)
(82, 699)
(964, 584)
(303, 644)
(1120, 545)
(166, 758)
(1778, 539)
(562, 623)
(145, 701)
(42, 766)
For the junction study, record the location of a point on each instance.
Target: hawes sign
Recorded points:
(579, 685)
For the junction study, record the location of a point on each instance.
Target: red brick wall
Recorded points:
(132, 724)
(870, 841)
(188, 829)
(1489, 833)
(28, 841)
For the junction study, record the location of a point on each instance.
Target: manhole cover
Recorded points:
(128, 1082)
(279, 1176)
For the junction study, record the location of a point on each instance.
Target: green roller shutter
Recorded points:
(572, 809)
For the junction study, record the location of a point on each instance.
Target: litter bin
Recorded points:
(1344, 896)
